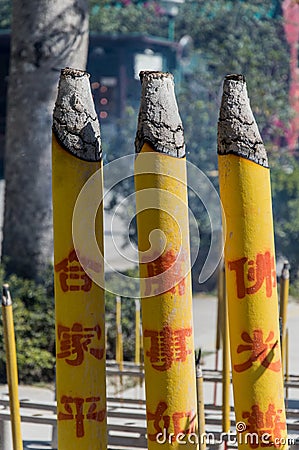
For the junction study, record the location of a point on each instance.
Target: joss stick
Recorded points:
(11, 369)
(245, 191)
(283, 308)
(164, 257)
(79, 301)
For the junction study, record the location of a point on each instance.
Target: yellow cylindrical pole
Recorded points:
(137, 332)
(11, 368)
(287, 364)
(119, 335)
(225, 365)
(79, 301)
(283, 309)
(250, 272)
(220, 300)
(164, 255)
(200, 405)
(141, 353)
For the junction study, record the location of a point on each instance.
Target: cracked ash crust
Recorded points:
(237, 129)
(159, 122)
(75, 122)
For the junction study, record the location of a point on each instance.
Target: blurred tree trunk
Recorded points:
(46, 36)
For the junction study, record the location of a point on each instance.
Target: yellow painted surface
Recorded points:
(225, 366)
(283, 314)
(201, 411)
(166, 300)
(252, 298)
(12, 376)
(80, 312)
(287, 362)
(137, 332)
(219, 323)
(220, 296)
(119, 337)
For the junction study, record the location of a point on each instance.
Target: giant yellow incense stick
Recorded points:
(11, 369)
(79, 302)
(163, 242)
(250, 271)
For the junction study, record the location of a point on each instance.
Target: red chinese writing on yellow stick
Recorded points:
(250, 270)
(79, 302)
(162, 221)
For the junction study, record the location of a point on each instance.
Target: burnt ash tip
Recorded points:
(74, 73)
(235, 77)
(159, 122)
(154, 74)
(238, 132)
(6, 297)
(75, 122)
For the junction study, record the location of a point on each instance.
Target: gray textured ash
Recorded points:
(159, 122)
(237, 129)
(75, 122)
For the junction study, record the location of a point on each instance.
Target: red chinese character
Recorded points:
(92, 413)
(69, 414)
(76, 341)
(156, 418)
(238, 266)
(267, 424)
(183, 422)
(71, 274)
(73, 410)
(189, 423)
(168, 264)
(260, 351)
(260, 271)
(167, 346)
(278, 426)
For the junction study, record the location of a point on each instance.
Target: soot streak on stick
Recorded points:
(159, 122)
(237, 129)
(75, 123)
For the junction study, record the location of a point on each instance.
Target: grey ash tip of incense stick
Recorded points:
(159, 122)
(75, 122)
(235, 77)
(237, 129)
(6, 298)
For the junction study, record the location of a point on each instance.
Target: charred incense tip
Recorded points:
(75, 122)
(74, 73)
(235, 77)
(159, 122)
(285, 273)
(6, 298)
(237, 129)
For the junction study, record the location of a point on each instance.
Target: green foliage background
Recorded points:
(33, 310)
(5, 14)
